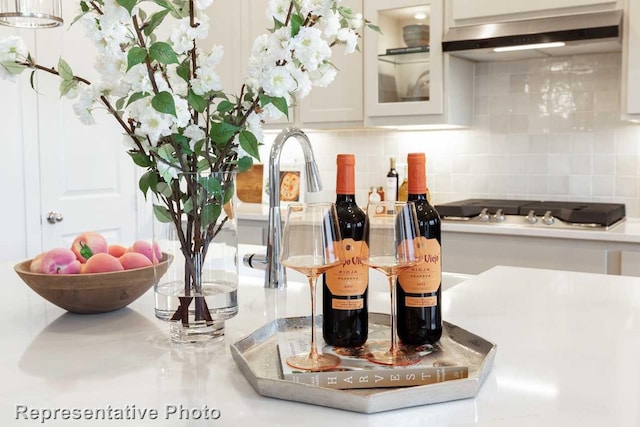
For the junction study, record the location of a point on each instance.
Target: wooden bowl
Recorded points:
(91, 293)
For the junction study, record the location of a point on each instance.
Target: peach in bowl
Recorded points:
(95, 288)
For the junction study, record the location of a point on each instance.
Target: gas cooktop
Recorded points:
(529, 212)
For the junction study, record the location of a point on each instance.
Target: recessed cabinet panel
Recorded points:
(474, 9)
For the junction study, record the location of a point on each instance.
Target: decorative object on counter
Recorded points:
(249, 184)
(32, 14)
(311, 244)
(374, 195)
(200, 289)
(91, 293)
(355, 371)
(391, 190)
(420, 288)
(403, 191)
(167, 97)
(392, 246)
(416, 35)
(345, 288)
(257, 356)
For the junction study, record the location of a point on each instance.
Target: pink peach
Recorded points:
(59, 261)
(88, 244)
(102, 263)
(36, 263)
(116, 250)
(132, 260)
(147, 249)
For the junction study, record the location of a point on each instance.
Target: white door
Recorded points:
(85, 174)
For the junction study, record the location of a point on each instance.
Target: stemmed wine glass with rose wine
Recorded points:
(392, 247)
(311, 244)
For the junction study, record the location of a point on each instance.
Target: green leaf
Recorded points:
(136, 55)
(296, 24)
(161, 213)
(210, 214)
(85, 251)
(142, 14)
(184, 70)
(66, 86)
(120, 103)
(166, 152)
(373, 27)
(222, 132)
(245, 163)
(211, 185)
(228, 193)
(137, 96)
(127, 4)
(155, 20)
(163, 102)
(225, 106)
(279, 102)
(84, 7)
(65, 70)
(164, 189)
(147, 180)
(12, 67)
(249, 143)
(197, 102)
(140, 159)
(163, 53)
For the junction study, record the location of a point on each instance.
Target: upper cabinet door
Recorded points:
(630, 90)
(474, 9)
(404, 65)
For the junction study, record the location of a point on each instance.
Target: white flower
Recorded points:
(349, 38)
(152, 124)
(310, 48)
(138, 79)
(278, 9)
(83, 106)
(184, 34)
(207, 78)
(315, 7)
(183, 115)
(303, 83)
(278, 82)
(12, 48)
(254, 124)
(356, 22)
(331, 24)
(195, 134)
(324, 75)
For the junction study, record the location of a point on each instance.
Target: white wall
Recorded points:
(543, 129)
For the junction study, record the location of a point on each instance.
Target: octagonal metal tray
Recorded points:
(257, 357)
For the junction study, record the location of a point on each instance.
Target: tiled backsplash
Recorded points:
(543, 129)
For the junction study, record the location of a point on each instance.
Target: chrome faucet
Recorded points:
(275, 275)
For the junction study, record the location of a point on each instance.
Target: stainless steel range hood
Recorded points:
(582, 33)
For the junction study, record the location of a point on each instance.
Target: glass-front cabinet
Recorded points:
(404, 73)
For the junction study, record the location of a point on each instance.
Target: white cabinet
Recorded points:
(630, 91)
(407, 79)
(492, 9)
(236, 25)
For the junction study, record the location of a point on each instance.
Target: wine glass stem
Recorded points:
(394, 333)
(313, 353)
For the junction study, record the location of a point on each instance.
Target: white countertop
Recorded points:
(627, 231)
(568, 352)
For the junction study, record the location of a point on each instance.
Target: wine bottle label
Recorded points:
(347, 304)
(352, 276)
(425, 277)
(421, 301)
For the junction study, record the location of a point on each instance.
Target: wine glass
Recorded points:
(311, 245)
(392, 247)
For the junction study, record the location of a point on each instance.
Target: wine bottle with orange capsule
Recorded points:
(419, 290)
(345, 287)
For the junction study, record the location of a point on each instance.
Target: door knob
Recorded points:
(53, 217)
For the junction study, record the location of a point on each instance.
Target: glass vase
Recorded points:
(199, 290)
